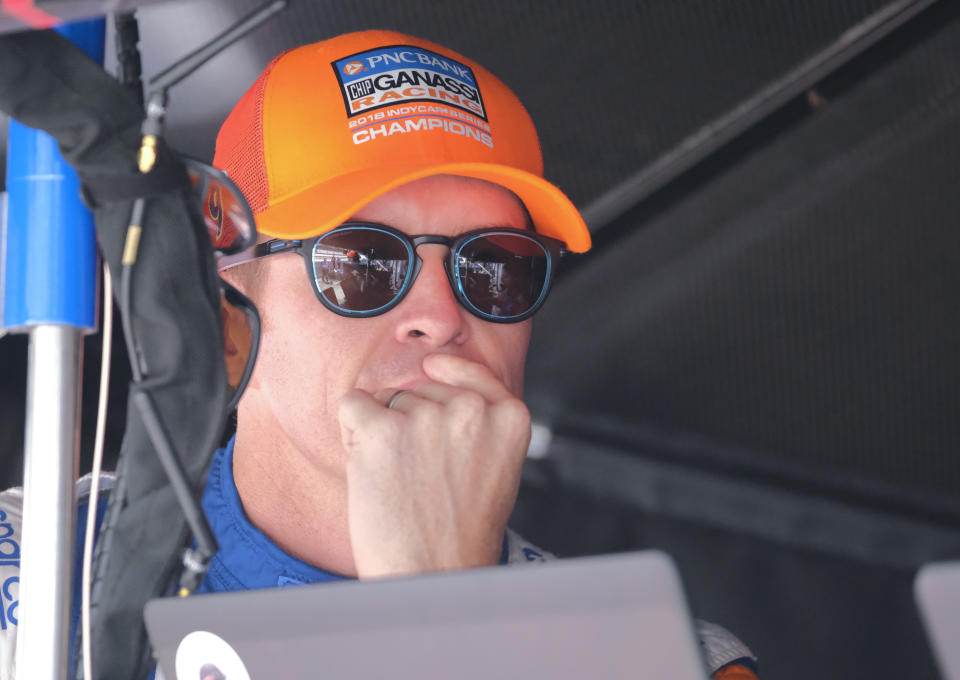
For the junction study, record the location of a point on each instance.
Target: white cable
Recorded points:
(95, 474)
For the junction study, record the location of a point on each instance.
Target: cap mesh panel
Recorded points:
(240, 144)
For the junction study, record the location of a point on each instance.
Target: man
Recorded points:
(380, 128)
(383, 430)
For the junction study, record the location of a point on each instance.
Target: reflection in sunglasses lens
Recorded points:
(226, 213)
(360, 269)
(502, 274)
(241, 331)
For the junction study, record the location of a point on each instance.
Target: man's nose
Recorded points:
(430, 313)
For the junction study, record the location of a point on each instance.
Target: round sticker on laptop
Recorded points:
(205, 656)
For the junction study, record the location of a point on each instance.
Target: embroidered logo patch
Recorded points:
(402, 73)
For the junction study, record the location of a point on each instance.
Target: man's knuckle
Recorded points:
(426, 412)
(467, 403)
(384, 426)
(513, 413)
(513, 407)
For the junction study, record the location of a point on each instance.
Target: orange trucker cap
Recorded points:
(328, 127)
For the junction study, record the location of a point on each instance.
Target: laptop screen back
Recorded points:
(620, 616)
(937, 590)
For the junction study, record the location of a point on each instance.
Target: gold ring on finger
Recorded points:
(393, 398)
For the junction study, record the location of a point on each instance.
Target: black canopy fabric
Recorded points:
(757, 368)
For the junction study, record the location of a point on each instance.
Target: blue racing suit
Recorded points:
(248, 560)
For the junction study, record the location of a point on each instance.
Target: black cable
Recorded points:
(137, 364)
(195, 561)
(125, 276)
(129, 67)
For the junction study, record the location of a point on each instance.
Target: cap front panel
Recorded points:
(408, 103)
(347, 119)
(403, 89)
(337, 110)
(299, 119)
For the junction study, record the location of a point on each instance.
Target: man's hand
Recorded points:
(432, 480)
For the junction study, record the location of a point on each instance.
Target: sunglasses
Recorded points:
(230, 226)
(362, 269)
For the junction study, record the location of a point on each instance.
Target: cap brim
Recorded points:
(322, 207)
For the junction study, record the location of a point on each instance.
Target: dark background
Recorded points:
(757, 368)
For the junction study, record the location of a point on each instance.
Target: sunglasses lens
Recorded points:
(241, 335)
(361, 269)
(503, 275)
(226, 213)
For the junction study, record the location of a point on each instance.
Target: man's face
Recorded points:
(309, 356)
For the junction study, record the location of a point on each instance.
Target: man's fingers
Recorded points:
(398, 400)
(466, 374)
(358, 408)
(437, 392)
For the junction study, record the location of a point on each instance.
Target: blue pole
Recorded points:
(50, 250)
(49, 289)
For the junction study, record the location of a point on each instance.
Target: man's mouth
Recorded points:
(411, 385)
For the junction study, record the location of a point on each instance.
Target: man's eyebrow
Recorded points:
(503, 224)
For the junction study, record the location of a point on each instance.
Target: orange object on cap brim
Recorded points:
(330, 126)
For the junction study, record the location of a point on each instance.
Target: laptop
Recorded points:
(618, 616)
(937, 590)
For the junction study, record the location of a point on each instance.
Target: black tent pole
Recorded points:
(712, 137)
